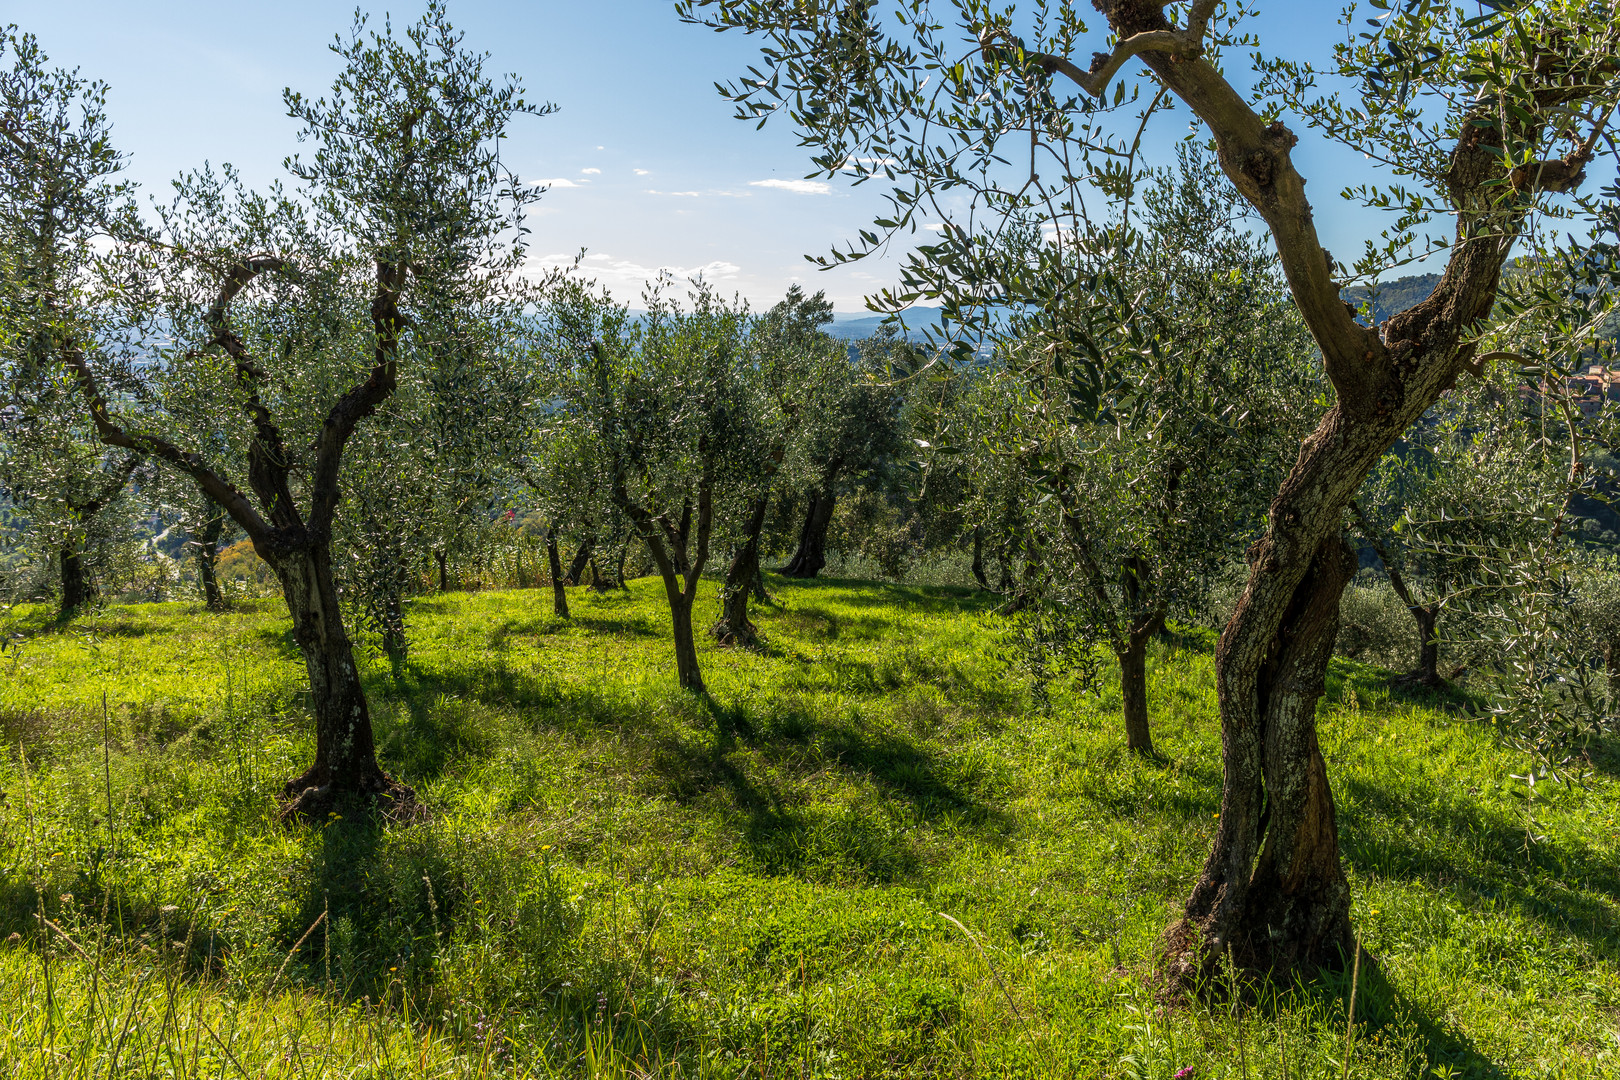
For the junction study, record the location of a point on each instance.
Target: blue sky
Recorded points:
(650, 169)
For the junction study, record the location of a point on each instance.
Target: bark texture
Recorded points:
(734, 627)
(345, 764)
(559, 594)
(208, 559)
(810, 556)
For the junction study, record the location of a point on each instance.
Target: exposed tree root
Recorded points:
(305, 801)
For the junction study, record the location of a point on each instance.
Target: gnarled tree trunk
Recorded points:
(207, 543)
(559, 595)
(734, 627)
(811, 554)
(77, 589)
(345, 764)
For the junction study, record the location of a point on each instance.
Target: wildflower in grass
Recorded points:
(1184, 1074)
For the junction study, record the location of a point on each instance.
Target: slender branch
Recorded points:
(361, 400)
(218, 488)
(1188, 43)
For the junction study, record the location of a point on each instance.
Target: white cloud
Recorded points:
(711, 193)
(558, 182)
(934, 226)
(591, 172)
(641, 172)
(626, 277)
(798, 187)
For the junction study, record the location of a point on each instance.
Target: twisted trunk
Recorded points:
(345, 762)
(77, 589)
(559, 595)
(811, 554)
(734, 627)
(208, 536)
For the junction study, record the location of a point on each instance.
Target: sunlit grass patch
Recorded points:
(619, 878)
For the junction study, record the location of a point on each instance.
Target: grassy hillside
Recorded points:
(866, 855)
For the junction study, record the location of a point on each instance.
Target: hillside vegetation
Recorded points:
(867, 852)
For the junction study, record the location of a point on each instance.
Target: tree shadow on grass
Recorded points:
(748, 756)
(1381, 1008)
(1496, 872)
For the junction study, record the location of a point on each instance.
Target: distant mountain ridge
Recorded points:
(1393, 297)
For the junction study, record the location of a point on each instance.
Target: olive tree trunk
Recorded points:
(810, 556)
(734, 627)
(345, 762)
(559, 594)
(1272, 897)
(77, 589)
(207, 544)
(1133, 691)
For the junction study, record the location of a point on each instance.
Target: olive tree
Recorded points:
(1490, 118)
(794, 372)
(664, 398)
(58, 195)
(287, 317)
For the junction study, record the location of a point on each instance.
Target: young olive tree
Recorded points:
(854, 429)
(665, 400)
(1490, 117)
(1155, 475)
(57, 196)
(1465, 486)
(794, 371)
(288, 319)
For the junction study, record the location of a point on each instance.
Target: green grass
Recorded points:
(622, 879)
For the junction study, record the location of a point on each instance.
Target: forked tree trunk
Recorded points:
(811, 554)
(1428, 669)
(734, 627)
(77, 589)
(345, 759)
(978, 558)
(582, 559)
(208, 560)
(1133, 693)
(443, 560)
(559, 595)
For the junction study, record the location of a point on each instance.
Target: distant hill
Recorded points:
(1393, 297)
(854, 326)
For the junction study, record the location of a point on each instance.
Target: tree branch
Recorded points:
(218, 488)
(1104, 66)
(361, 401)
